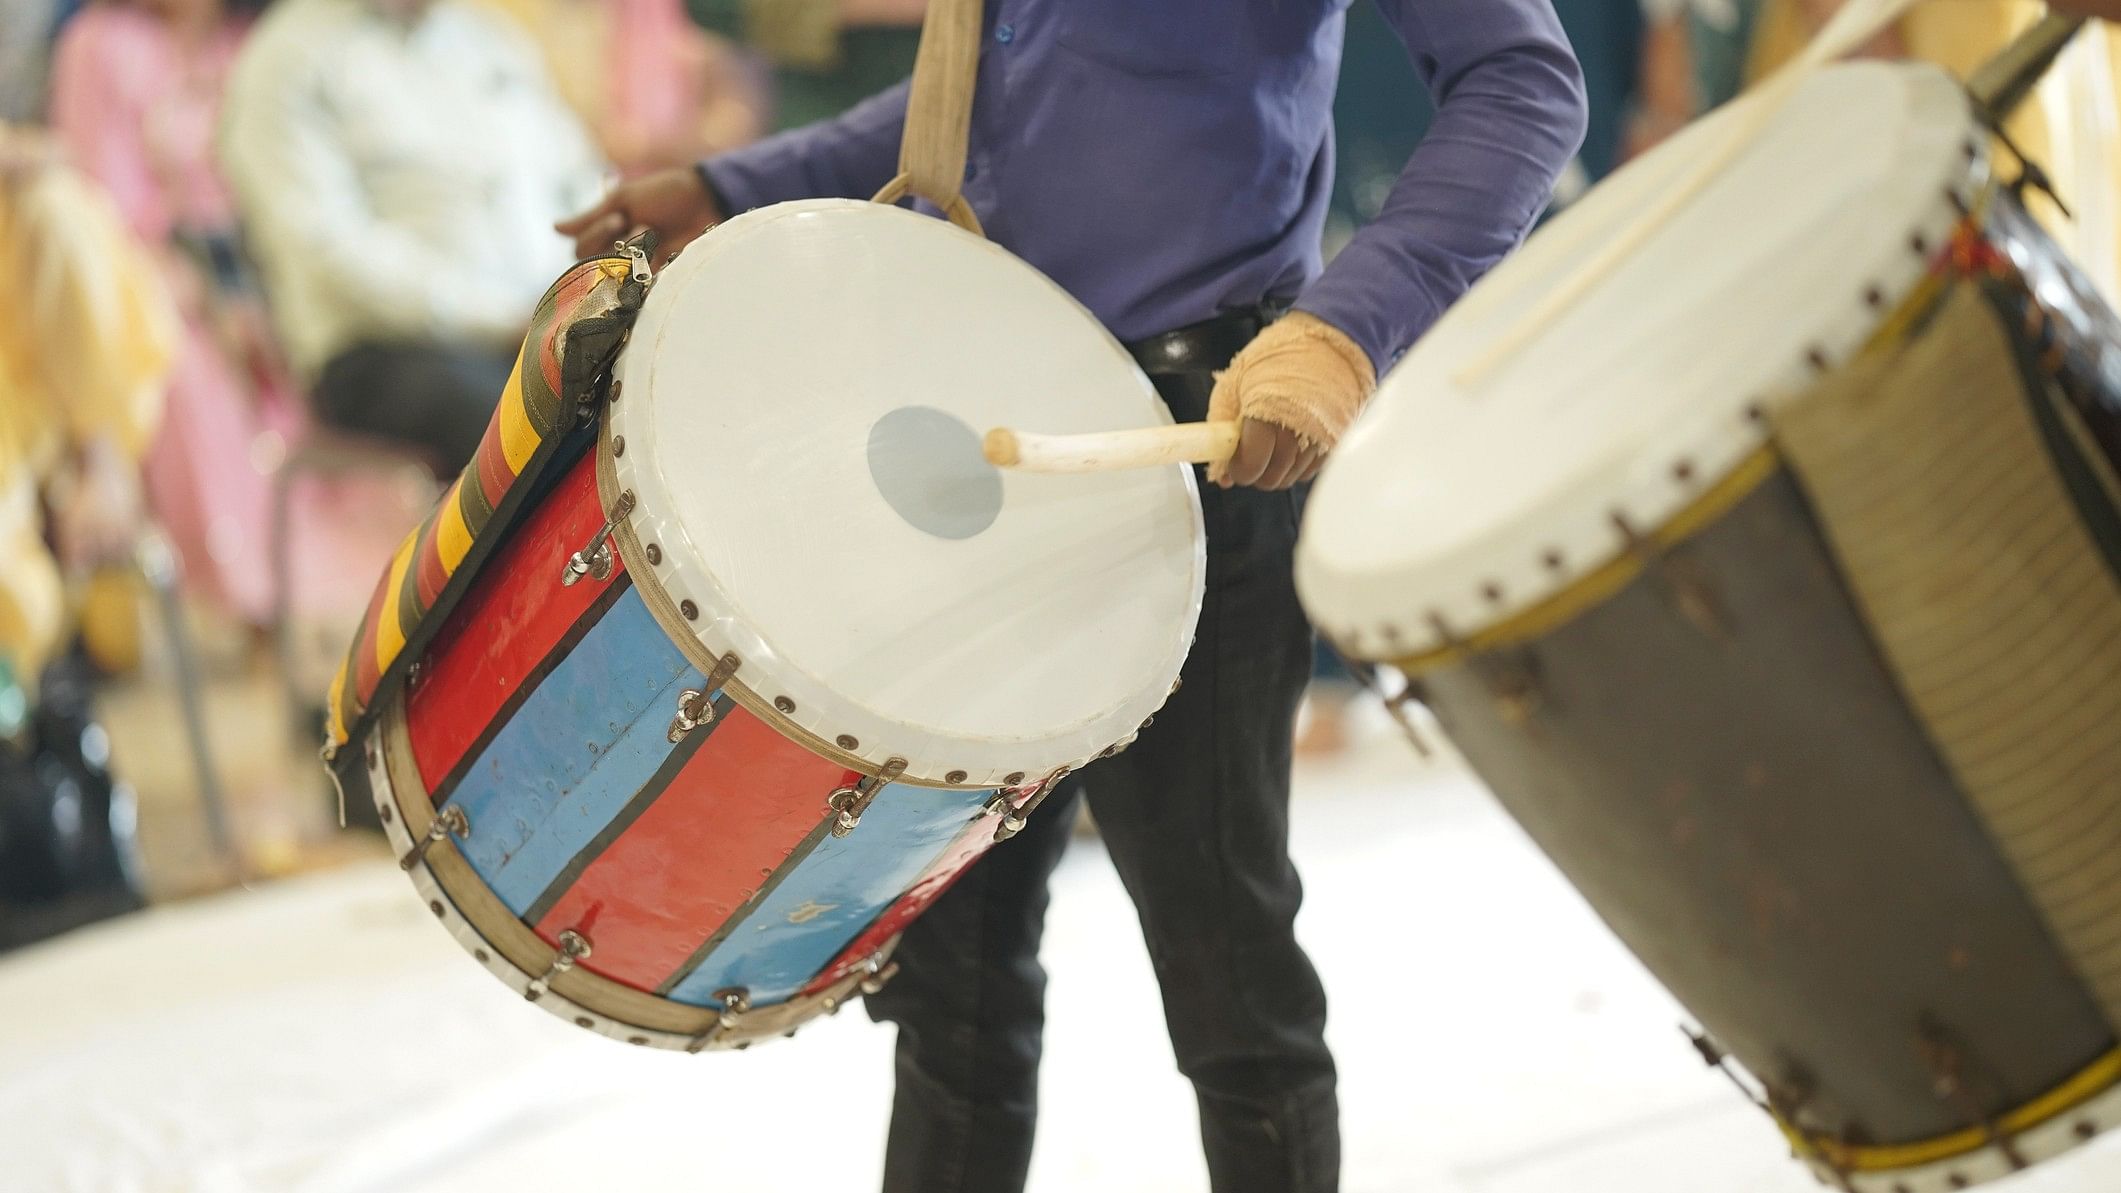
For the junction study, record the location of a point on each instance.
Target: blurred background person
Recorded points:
(87, 335)
(655, 90)
(398, 165)
(136, 96)
(826, 55)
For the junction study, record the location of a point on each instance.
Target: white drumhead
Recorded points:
(1457, 502)
(802, 404)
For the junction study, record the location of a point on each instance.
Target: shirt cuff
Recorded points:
(1356, 310)
(735, 184)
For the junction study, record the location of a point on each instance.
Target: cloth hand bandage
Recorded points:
(1301, 373)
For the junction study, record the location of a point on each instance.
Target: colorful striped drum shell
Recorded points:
(701, 873)
(677, 736)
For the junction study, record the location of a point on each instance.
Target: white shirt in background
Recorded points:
(400, 182)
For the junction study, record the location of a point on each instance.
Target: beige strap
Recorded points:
(931, 152)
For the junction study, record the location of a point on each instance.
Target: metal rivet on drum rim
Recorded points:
(690, 610)
(618, 445)
(956, 776)
(384, 813)
(481, 956)
(643, 1040)
(1552, 558)
(655, 554)
(1756, 414)
(1816, 357)
(1683, 470)
(435, 905)
(1492, 591)
(846, 743)
(2086, 1129)
(616, 386)
(1960, 1181)
(1971, 148)
(1919, 243)
(784, 704)
(584, 1021)
(1873, 296)
(1012, 778)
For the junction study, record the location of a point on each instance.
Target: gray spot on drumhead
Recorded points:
(927, 466)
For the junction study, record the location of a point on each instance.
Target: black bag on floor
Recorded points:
(68, 849)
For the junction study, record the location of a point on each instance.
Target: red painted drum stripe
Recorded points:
(501, 633)
(491, 465)
(969, 847)
(365, 670)
(736, 812)
(429, 572)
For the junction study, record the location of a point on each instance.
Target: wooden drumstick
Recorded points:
(1111, 451)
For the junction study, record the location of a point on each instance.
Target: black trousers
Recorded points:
(435, 398)
(1196, 818)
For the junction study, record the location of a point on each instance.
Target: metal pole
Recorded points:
(158, 565)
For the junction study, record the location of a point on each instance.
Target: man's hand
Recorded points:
(1295, 389)
(675, 204)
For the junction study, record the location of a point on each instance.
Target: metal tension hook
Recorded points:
(595, 558)
(1013, 818)
(574, 947)
(736, 1003)
(850, 802)
(449, 822)
(696, 705)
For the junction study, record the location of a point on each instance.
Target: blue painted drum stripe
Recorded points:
(574, 753)
(834, 893)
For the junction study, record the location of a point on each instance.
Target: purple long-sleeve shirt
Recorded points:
(1166, 160)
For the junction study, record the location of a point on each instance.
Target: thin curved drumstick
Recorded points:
(1852, 26)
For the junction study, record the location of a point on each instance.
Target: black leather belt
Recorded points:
(1205, 346)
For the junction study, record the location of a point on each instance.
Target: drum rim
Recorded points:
(503, 945)
(1467, 599)
(2046, 1127)
(806, 709)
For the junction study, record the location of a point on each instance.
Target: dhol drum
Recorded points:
(1772, 588)
(676, 731)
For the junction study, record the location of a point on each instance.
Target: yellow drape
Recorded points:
(86, 337)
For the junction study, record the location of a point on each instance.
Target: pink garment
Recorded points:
(656, 67)
(137, 111)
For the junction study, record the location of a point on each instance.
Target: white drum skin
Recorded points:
(801, 403)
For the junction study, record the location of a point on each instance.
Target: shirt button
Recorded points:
(1005, 33)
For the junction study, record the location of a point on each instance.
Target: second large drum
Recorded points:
(1772, 587)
